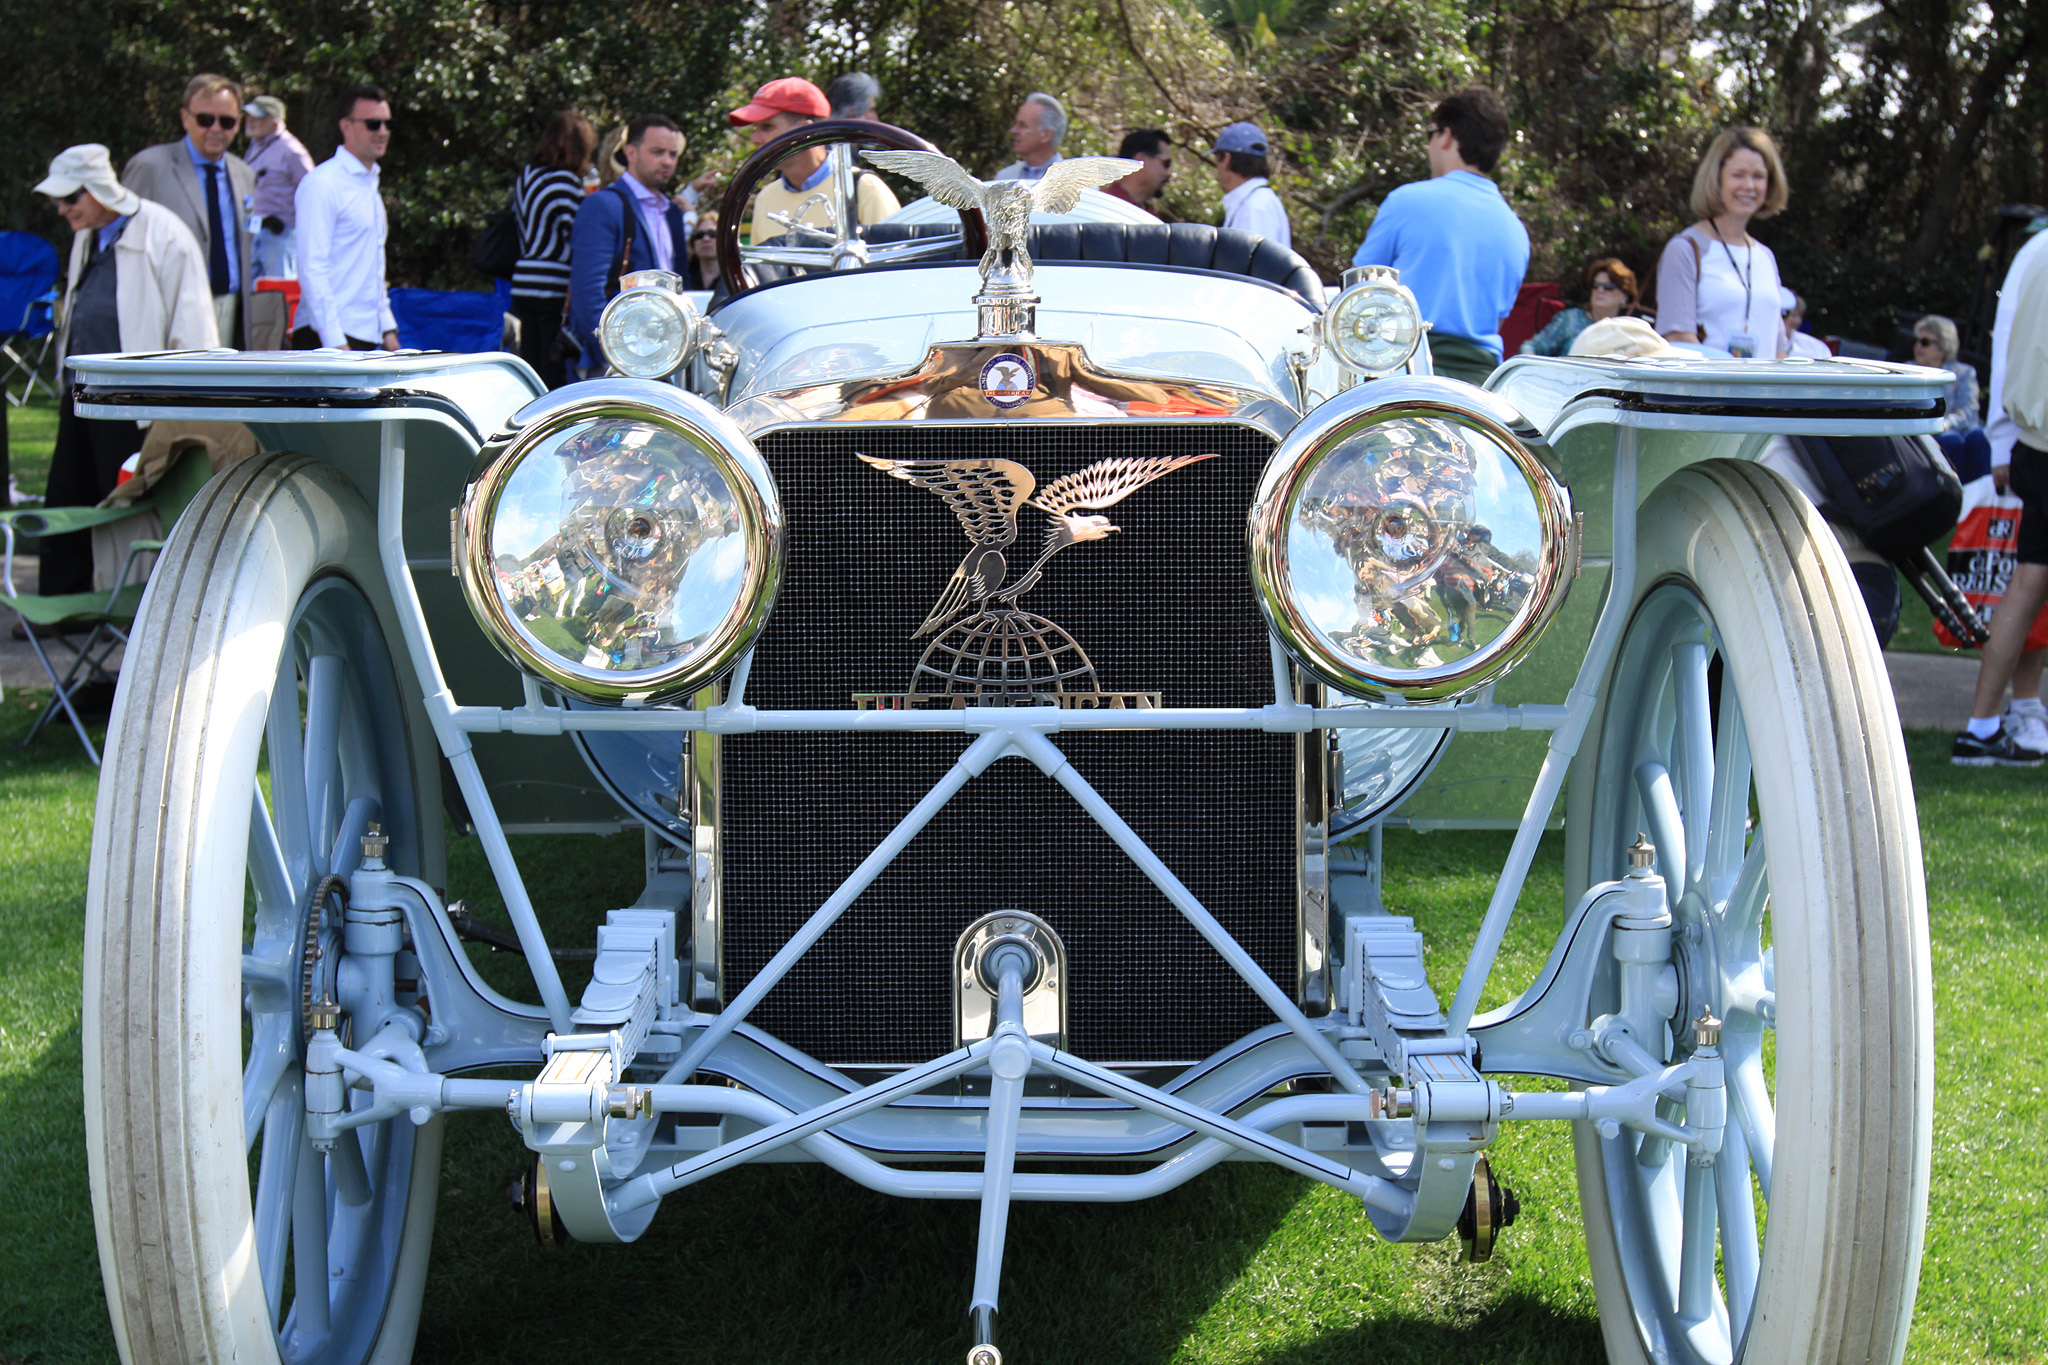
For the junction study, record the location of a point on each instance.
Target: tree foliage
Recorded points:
(1905, 122)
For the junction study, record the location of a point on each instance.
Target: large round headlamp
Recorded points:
(1409, 541)
(648, 330)
(1374, 326)
(623, 542)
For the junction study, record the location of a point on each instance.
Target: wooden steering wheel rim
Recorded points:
(756, 168)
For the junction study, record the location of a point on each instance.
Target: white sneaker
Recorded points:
(2027, 729)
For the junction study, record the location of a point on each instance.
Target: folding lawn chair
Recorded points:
(28, 304)
(105, 616)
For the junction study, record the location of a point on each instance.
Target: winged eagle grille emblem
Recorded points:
(984, 645)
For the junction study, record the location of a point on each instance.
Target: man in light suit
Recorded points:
(208, 186)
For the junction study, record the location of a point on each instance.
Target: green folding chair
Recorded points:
(105, 616)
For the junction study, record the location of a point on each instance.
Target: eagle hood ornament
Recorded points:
(1005, 301)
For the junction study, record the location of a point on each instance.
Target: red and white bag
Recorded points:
(1980, 557)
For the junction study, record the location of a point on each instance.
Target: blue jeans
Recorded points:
(1968, 452)
(276, 253)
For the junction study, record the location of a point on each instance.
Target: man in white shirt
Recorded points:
(2018, 430)
(342, 299)
(1035, 137)
(1249, 202)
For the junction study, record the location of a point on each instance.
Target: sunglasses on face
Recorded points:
(1926, 341)
(72, 198)
(228, 122)
(375, 125)
(1599, 285)
(704, 236)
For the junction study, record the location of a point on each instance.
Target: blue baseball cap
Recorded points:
(1241, 137)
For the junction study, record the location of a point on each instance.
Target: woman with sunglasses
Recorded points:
(544, 202)
(1610, 293)
(700, 267)
(1962, 436)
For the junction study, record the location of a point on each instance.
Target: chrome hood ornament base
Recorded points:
(1005, 307)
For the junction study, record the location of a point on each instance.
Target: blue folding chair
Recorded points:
(28, 305)
(449, 319)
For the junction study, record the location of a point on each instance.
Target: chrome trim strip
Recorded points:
(1313, 751)
(1069, 387)
(701, 783)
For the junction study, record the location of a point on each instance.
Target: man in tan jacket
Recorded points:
(137, 282)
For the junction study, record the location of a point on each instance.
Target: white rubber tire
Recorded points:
(165, 906)
(1848, 919)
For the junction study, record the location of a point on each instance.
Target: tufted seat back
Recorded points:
(1186, 246)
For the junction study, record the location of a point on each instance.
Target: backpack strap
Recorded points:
(627, 223)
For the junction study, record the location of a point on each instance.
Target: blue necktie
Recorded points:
(217, 237)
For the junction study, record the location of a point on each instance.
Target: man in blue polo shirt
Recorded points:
(1457, 244)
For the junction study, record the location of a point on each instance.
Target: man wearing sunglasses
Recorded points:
(342, 228)
(208, 187)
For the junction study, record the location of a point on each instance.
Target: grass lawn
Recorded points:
(1246, 1264)
(31, 432)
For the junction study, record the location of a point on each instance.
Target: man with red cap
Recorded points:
(799, 190)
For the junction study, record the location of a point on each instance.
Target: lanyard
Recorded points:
(1748, 260)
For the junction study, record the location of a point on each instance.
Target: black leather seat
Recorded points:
(1186, 246)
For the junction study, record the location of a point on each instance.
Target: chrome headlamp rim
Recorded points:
(712, 434)
(1370, 279)
(1326, 430)
(639, 288)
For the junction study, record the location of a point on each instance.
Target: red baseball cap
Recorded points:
(788, 95)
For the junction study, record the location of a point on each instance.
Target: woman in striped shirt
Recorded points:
(545, 198)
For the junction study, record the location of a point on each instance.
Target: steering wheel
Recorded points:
(846, 249)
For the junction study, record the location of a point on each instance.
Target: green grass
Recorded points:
(775, 1263)
(31, 434)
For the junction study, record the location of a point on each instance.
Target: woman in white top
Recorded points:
(1716, 284)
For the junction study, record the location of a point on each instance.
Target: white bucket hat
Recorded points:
(89, 167)
(1625, 338)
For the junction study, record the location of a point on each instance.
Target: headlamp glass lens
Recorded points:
(646, 333)
(1375, 328)
(618, 546)
(1414, 545)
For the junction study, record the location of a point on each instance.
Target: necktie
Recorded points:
(217, 237)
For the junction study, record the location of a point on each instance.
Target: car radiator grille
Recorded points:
(1163, 606)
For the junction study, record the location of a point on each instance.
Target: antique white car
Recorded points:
(1012, 664)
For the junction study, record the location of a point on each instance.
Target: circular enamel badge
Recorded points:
(1008, 379)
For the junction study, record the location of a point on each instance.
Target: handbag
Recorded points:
(1898, 494)
(496, 250)
(1895, 492)
(1982, 555)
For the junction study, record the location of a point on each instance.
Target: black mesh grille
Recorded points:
(1162, 606)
